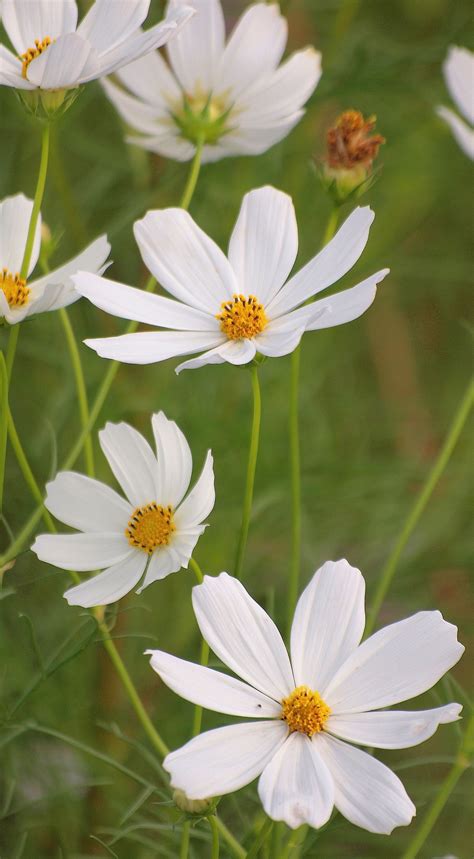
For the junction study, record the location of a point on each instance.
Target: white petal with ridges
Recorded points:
(147, 347)
(82, 552)
(111, 22)
(175, 462)
(212, 689)
(254, 49)
(200, 501)
(173, 557)
(27, 20)
(458, 71)
(132, 461)
(296, 786)
(276, 97)
(111, 585)
(10, 71)
(463, 135)
(366, 792)
(347, 305)
(195, 53)
(225, 759)
(86, 504)
(236, 352)
(392, 729)
(243, 635)
(395, 664)
(66, 62)
(15, 214)
(151, 81)
(56, 289)
(328, 623)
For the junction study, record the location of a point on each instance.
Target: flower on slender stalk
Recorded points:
(19, 297)
(309, 713)
(232, 308)
(351, 151)
(235, 97)
(55, 55)
(458, 69)
(155, 528)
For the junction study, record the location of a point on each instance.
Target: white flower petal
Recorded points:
(186, 262)
(225, 759)
(82, 552)
(111, 585)
(10, 71)
(346, 305)
(254, 49)
(137, 114)
(150, 346)
(175, 462)
(86, 504)
(264, 243)
(277, 343)
(169, 559)
(27, 20)
(463, 135)
(111, 22)
(328, 623)
(212, 689)
(276, 97)
(296, 786)
(64, 64)
(168, 144)
(392, 729)
(330, 264)
(458, 71)
(132, 461)
(236, 352)
(366, 792)
(150, 79)
(128, 302)
(195, 53)
(395, 664)
(15, 214)
(243, 635)
(253, 138)
(200, 501)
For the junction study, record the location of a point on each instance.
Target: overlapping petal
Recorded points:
(195, 53)
(392, 729)
(110, 585)
(461, 131)
(200, 501)
(15, 214)
(458, 71)
(254, 49)
(83, 552)
(175, 462)
(27, 20)
(132, 461)
(86, 504)
(149, 346)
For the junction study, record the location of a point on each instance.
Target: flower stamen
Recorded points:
(242, 318)
(14, 288)
(33, 53)
(304, 710)
(150, 526)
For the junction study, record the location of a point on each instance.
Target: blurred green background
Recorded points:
(377, 397)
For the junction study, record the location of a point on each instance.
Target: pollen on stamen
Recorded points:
(150, 526)
(242, 318)
(33, 53)
(304, 710)
(14, 288)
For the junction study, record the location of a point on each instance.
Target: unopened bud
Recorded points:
(200, 807)
(351, 151)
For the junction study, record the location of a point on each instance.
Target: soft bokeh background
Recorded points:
(377, 398)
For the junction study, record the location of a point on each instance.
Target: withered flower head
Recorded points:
(351, 151)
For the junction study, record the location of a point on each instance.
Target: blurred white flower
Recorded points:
(235, 96)
(235, 307)
(20, 298)
(154, 528)
(458, 71)
(54, 53)
(329, 693)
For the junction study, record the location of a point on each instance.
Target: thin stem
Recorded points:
(230, 840)
(215, 836)
(27, 471)
(80, 388)
(204, 659)
(252, 463)
(192, 176)
(11, 348)
(331, 225)
(437, 470)
(462, 762)
(260, 839)
(196, 570)
(3, 422)
(185, 836)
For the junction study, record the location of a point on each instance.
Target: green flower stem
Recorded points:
(196, 570)
(197, 721)
(260, 839)
(230, 840)
(192, 176)
(27, 471)
(462, 763)
(3, 422)
(252, 463)
(185, 836)
(418, 508)
(295, 456)
(80, 387)
(215, 836)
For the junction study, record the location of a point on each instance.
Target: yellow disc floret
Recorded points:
(14, 288)
(242, 317)
(150, 526)
(32, 53)
(305, 711)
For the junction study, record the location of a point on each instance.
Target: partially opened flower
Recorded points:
(154, 528)
(458, 71)
(309, 712)
(235, 97)
(232, 308)
(54, 54)
(18, 296)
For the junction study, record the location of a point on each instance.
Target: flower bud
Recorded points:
(200, 807)
(351, 151)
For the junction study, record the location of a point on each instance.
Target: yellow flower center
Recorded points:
(14, 288)
(242, 317)
(305, 711)
(32, 53)
(150, 526)
(215, 106)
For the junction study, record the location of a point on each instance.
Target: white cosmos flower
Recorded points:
(458, 71)
(154, 527)
(311, 710)
(19, 297)
(231, 308)
(52, 52)
(235, 94)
